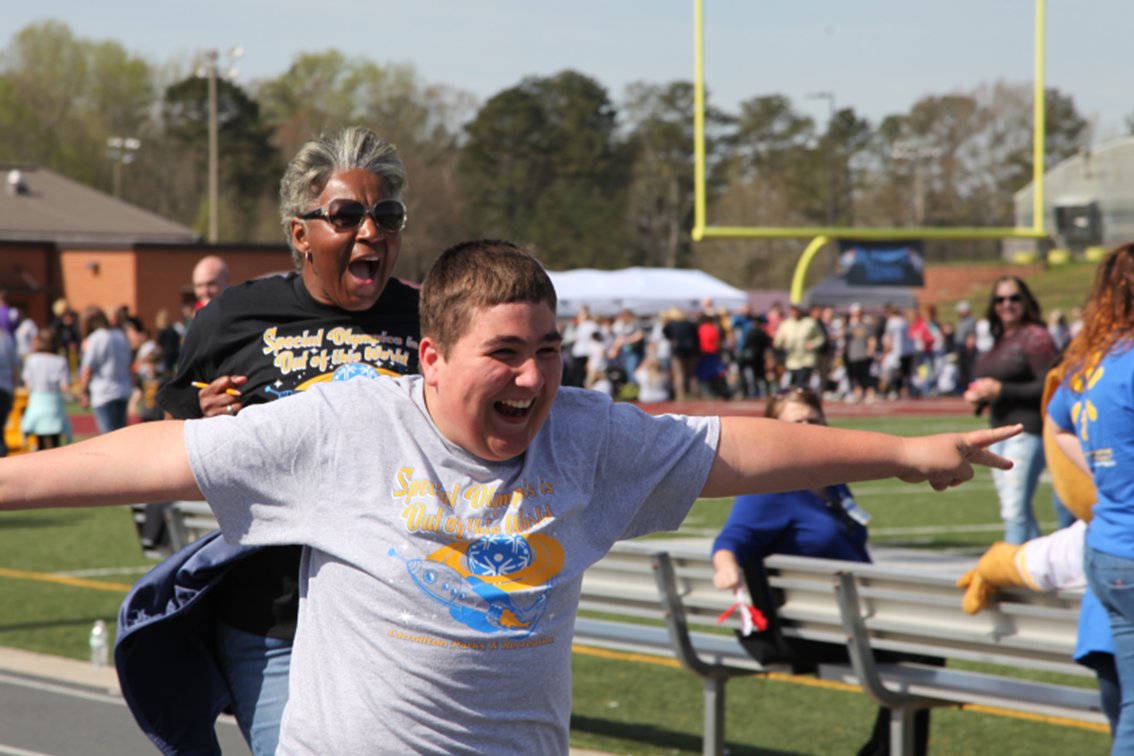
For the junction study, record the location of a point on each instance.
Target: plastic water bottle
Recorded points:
(100, 652)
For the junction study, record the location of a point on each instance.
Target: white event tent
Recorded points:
(643, 291)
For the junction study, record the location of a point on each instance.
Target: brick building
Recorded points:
(59, 238)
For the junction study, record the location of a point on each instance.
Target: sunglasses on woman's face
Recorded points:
(347, 215)
(1014, 298)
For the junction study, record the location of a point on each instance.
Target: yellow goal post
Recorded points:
(822, 235)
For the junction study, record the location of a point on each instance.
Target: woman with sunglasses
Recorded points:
(824, 523)
(338, 315)
(1009, 383)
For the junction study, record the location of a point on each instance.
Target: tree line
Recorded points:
(554, 162)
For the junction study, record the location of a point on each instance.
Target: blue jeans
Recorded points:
(256, 669)
(1112, 580)
(630, 362)
(111, 416)
(1017, 487)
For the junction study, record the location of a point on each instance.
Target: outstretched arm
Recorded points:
(138, 464)
(758, 455)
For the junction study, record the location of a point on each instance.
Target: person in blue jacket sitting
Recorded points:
(822, 522)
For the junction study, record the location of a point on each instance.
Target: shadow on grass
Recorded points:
(648, 735)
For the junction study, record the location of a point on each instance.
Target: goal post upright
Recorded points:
(822, 235)
(1039, 118)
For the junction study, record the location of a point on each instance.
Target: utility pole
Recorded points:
(210, 73)
(121, 151)
(214, 158)
(918, 155)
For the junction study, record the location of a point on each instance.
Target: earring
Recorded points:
(307, 256)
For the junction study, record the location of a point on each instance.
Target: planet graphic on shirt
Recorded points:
(498, 555)
(511, 562)
(355, 370)
(345, 373)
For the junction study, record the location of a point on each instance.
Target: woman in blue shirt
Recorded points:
(817, 523)
(1094, 409)
(824, 523)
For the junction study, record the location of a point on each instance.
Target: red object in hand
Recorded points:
(758, 619)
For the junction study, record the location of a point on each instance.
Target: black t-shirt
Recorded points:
(1020, 362)
(682, 336)
(169, 340)
(756, 344)
(274, 332)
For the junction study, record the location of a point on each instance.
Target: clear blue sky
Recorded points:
(878, 56)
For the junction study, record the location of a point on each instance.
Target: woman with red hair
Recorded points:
(1094, 409)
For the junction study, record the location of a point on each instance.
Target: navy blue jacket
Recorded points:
(165, 648)
(794, 522)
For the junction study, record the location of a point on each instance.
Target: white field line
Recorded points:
(104, 571)
(110, 697)
(62, 690)
(8, 750)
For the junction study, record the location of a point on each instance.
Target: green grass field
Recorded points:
(61, 570)
(637, 708)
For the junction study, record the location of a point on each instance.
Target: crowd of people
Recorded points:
(109, 362)
(856, 355)
(390, 545)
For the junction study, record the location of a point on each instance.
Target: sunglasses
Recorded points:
(347, 215)
(1015, 298)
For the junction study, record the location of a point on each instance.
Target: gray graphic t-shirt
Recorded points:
(438, 590)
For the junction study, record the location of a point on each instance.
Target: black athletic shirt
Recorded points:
(272, 331)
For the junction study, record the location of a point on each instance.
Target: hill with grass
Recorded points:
(1061, 287)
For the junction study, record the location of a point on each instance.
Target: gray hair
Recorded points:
(311, 168)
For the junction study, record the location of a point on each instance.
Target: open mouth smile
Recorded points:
(514, 407)
(365, 269)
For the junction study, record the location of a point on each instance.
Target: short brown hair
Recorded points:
(45, 340)
(474, 275)
(797, 394)
(94, 318)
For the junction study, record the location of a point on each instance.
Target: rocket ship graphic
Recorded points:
(481, 581)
